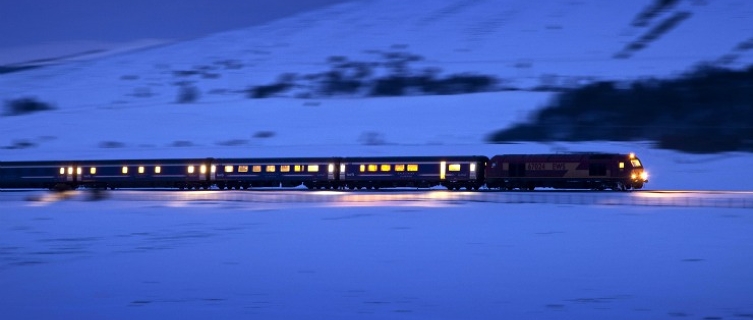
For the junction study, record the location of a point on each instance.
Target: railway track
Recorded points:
(677, 198)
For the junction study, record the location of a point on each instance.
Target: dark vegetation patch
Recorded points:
(22, 106)
(393, 74)
(707, 110)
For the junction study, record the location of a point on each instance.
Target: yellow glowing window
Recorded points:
(62, 170)
(141, 169)
(399, 167)
(203, 168)
(454, 167)
(242, 168)
(256, 168)
(70, 170)
(622, 165)
(92, 170)
(297, 168)
(473, 167)
(270, 168)
(157, 169)
(372, 168)
(313, 168)
(191, 169)
(363, 168)
(412, 167)
(78, 170)
(228, 169)
(636, 163)
(284, 168)
(385, 167)
(124, 170)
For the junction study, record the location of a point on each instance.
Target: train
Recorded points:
(594, 171)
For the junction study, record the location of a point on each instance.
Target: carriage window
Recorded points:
(385, 167)
(284, 168)
(313, 168)
(124, 170)
(141, 169)
(92, 170)
(297, 168)
(372, 168)
(270, 168)
(157, 169)
(622, 165)
(256, 168)
(636, 163)
(363, 168)
(242, 168)
(62, 170)
(191, 169)
(399, 167)
(228, 169)
(412, 167)
(454, 167)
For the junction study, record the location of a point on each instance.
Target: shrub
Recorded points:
(23, 106)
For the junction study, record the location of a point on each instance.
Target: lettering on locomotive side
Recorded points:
(541, 166)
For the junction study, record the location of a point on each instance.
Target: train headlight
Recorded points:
(633, 176)
(644, 176)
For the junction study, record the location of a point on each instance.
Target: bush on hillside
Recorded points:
(24, 106)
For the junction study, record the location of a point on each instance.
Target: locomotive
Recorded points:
(597, 171)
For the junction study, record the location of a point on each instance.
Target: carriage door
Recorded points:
(331, 171)
(68, 173)
(79, 172)
(442, 170)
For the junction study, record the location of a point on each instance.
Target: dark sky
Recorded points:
(33, 22)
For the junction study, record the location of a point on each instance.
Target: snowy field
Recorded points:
(399, 260)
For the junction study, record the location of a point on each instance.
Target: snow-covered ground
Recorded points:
(399, 260)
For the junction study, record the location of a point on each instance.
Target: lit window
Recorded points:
(256, 168)
(385, 167)
(363, 168)
(92, 170)
(313, 168)
(331, 168)
(636, 163)
(270, 168)
(78, 170)
(228, 168)
(297, 168)
(203, 169)
(141, 169)
(124, 170)
(191, 169)
(473, 167)
(372, 168)
(399, 167)
(213, 169)
(62, 170)
(242, 168)
(284, 168)
(157, 169)
(412, 167)
(622, 165)
(70, 170)
(454, 167)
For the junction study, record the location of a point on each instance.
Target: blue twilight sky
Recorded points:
(29, 23)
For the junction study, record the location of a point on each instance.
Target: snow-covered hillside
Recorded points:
(126, 104)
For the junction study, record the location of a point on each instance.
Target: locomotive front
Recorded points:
(638, 175)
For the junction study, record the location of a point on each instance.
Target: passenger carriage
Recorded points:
(452, 172)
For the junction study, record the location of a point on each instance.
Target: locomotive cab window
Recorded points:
(636, 163)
